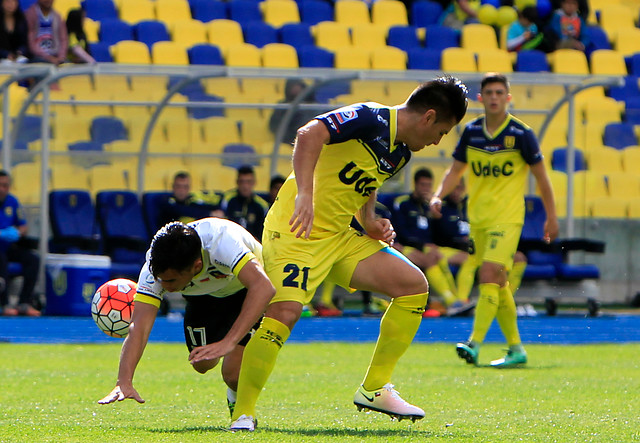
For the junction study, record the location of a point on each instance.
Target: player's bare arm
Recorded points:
(306, 152)
(449, 182)
(259, 293)
(144, 316)
(551, 227)
(375, 227)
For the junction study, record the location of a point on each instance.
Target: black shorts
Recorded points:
(207, 319)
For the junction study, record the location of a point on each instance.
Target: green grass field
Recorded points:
(48, 393)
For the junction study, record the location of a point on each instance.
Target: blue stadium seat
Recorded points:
(619, 135)
(632, 110)
(207, 10)
(330, 90)
(313, 12)
(150, 32)
(629, 89)
(297, 35)
(259, 33)
(122, 227)
(205, 54)
(31, 129)
(113, 31)
(73, 222)
(199, 112)
(425, 13)
(559, 160)
(633, 64)
(442, 37)
(236, 155)
(100, 51)
(244, 11)
(85, 146)
(314, 57)
(107, 129)
(151, 202)
(532, 61)
(421, 58)
(597, 39)
(99, 10)
(403, 37)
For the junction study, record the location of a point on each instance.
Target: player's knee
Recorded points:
(202, 367)
(411, 282)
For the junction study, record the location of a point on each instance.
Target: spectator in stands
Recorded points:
(460, 12)
(412, 221)
(186, 206)
(243, 206)
(293, 87)
(567, 28)
(583, 7)
(13, 33)
(79, 51)
(13, 227)
(47, 37)
(523, 33)
(274, 186)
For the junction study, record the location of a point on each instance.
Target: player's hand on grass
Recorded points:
(121, 393)
(381, 229)
(211, 351)
(302, 218)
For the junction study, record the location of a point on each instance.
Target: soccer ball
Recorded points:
(112, 306)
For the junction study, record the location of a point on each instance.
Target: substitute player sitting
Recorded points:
(340, 159)
(500, 149)
(215, 264)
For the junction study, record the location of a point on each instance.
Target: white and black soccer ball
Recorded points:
(112, 306)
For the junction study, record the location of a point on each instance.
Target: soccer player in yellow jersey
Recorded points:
(500, 150)
(340, 159)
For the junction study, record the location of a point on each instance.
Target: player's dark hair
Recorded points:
(276, 180)
(4, 173)
(494, 77)
(181, 175)
(446, 95)
(422, 173)
(175, 246)
(530, 13)
(246, 169)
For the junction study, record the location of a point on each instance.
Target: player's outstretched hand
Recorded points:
(302, 218)
(121, 394)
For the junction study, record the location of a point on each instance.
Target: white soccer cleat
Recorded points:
(243, 423)
(388, 401)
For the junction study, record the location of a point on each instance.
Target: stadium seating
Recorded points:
(532, 61)
(130, 52)
(172, 11)
(458, 60)
(315, 11)
(403, 37)
(69, 176)
(239, 154)
(619, 135)
(569, 61)
(100, 10)
(73, 222)
(279, 55)
(207, 10)
(607, 62)
(609, 207)
(151, 202)
(477, 36)
(279, 12)
(314, 57)
(605, 160)
(224, 33)
(169, 53)
(243, 55)
(114, 30)
(352, 12)
(260, 34)
(368, 36)
(624, 185)
(631, 159)
(441, 37)
(151, 31)
(189, 32)
(205, 54)
(107, 129)
(297, 35)
(559, 160)
(494, 59)
(422, 58)
(389, 13)
(627, 41)
(107, 178)
(332, 35)
(388, 58)
(139, 10)
(244, 11)
(350, 57)
(425, 13)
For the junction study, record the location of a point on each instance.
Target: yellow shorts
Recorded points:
(297, 266)
(497, 244)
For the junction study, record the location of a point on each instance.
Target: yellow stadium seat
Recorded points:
(389, 13)
(614, 17)
(91, 29)
(368, 36)
(351, 12)
(69, 176)
(569, 61)
(631, 159)
(260, 90)
(159, 171)
(222, 86)
(332, 35)
(494, 60)
(626, 41)
(255, 132)
(608, 207)
(148, 87)
(169, 53)
(171, 11)
(398, 91)
(558, 183)
(279, 55)
(605, 160)
(219, 131)
(350, 57)
(458, 60)
(189, 32)
(213, 175)
(244, 55)
(634, 208)
(589, 185)
(71, 128)
(111, 83)
(25, 182)
(388, 58)
(369, 90)
(137, 11)
(279, 12)
(224, 33)
(106, 177)
(477, 37)
(130, 52)
(624, 185)
(607, 62)
(63, 7)
(602, 110)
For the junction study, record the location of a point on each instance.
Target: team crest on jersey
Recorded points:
(345, 116)
(509, 141)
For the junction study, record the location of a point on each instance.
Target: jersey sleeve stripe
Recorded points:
(243, 261)
(147, 298)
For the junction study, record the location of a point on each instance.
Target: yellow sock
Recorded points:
(446, 270)
(515, 276)
(486, 310)
(507, 316)
(465, 278)
(327, 294)
(258, 361)
(397, 329)
(439, 282)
